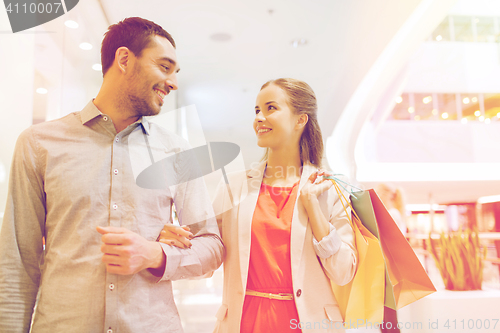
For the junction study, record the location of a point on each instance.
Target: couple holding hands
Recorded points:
(282, 245)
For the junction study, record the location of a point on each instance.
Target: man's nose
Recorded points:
(172, 82)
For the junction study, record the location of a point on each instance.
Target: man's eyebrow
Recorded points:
(170, 60)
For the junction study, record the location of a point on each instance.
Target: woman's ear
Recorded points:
(302, 121)
(122, 58)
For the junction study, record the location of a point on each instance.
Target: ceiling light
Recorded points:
(399, 99)
(71, 24)
(474, 99)
(477, 113)
(434, 112)
(487, 121)
(411, 109)
(42, 91)
(481, 118)
(86, 46)
(439, 37)
(444, 115)
(498, 115)
(299, 42)
(97, 67)
(464, 120)
(427, 100)
(466, 100)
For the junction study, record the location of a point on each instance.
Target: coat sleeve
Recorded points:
(337, 251)
(21, 244)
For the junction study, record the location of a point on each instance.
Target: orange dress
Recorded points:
(270, 268)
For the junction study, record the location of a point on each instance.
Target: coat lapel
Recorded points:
(245, 216)
(300, 223)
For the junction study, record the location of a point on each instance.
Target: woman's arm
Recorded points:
(333, 236)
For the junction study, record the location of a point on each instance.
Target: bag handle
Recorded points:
(340, 181)
(341, 195)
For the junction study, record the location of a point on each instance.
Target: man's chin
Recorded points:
(153, 111)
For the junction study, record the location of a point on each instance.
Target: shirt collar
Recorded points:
(90, 111)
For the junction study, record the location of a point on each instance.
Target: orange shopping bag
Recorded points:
(406, 279)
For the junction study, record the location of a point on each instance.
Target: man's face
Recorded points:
(152, 77)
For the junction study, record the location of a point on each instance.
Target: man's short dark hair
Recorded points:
(135, 33)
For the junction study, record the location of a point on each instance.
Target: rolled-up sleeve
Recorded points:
(329, 245)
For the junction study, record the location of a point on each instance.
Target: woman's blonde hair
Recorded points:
(302, 100)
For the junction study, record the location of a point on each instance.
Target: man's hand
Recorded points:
(176, 236)
(125, 252)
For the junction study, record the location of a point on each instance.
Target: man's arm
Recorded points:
(21, 235)
(194, 209)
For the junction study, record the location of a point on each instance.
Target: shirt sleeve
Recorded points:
(194, 208)
(21, 245)
(329, 245)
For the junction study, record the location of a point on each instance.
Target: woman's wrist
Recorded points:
(309, 201)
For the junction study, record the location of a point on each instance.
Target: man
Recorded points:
(73, 183)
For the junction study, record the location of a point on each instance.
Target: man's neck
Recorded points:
(109, 104)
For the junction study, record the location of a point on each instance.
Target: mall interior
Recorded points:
(408, 95)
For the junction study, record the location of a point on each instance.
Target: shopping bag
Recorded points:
(406, 279)
(363, 297)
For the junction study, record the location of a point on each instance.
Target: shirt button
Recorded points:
(299, 292)
(105, 118)
(117, 140)
(115, 206)
(115, 171)
(111, 286)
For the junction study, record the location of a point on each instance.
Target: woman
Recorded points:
(290, 236)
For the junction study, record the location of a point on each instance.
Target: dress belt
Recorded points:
(282, 296)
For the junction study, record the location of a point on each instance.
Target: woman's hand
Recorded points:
(176, 236)
(314, 186)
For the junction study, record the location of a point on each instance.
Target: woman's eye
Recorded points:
(257, 111)
(271, 107)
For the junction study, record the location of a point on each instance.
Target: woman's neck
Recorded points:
(283, 168)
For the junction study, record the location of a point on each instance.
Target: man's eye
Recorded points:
(166, 68)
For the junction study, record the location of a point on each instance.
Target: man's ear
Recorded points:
(302, 121)
(123, 58)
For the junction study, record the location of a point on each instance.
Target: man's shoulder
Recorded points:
(49, 127)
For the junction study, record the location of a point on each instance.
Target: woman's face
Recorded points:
(275, 124)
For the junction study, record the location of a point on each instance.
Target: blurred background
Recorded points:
(408, 94)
